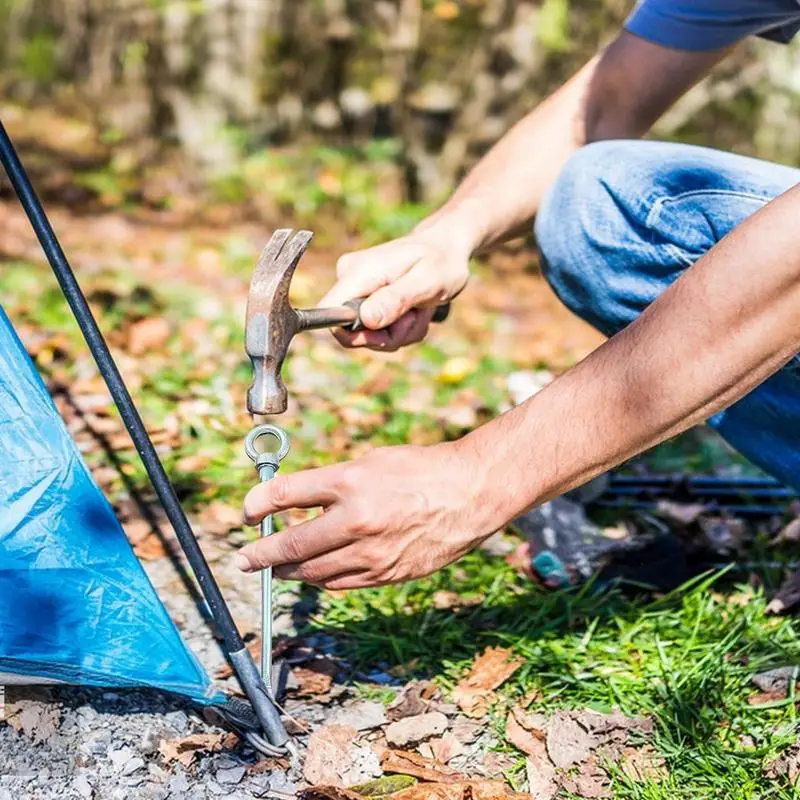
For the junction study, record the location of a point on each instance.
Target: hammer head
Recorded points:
(271, 321)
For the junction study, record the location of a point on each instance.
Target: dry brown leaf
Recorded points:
(267, 765)
(525, 740)
(151, 548)
(147, 334)
(315, 678)
(491, 669)
(445, 600)
(789, 533)
(462, 790)
(643, 764)
(443, 749)
(542, 783)
(415, 698)
(567, 742)
(762, 698)
(184, 750)
(411, 730)
(219, 518)
(682, 513)
(404, 762)
(329, 754)
(194, 463)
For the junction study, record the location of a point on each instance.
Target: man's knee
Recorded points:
(580, 227)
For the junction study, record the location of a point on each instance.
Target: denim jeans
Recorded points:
(626, 218)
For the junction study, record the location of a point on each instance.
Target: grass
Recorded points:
(686, 658)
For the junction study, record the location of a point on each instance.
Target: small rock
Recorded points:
(131, 766)
(178, 784)
(119, 758)
(413, 730)
(83, 787)
(774, 680)
(230, 775)
(279, 782)
(177, 720)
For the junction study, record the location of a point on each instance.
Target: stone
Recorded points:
(119, 758)
(131, 766)
(230, 775)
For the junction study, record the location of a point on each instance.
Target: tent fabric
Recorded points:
(75, 604)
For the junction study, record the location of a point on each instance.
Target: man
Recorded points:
(688, 258)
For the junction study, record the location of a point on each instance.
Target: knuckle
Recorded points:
(279, 489)
(346, 263)
(290, 546)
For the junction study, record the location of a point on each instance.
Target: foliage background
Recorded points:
(443, 79)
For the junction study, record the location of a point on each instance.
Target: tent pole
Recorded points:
(235, 648)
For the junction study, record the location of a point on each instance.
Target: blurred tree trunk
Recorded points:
(445, 77)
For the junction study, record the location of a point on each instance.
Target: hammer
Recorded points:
(272, 322)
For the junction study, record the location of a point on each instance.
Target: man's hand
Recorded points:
(403, 282)
(397, 513)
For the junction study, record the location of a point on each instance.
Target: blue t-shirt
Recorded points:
(713, 24)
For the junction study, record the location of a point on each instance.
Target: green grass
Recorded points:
(686, 658)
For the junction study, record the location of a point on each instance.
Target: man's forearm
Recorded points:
(725, 326)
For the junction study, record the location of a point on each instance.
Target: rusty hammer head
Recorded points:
(271, 321)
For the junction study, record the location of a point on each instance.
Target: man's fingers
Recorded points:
(306, 489)
(363, 272)
(388, 303)
(296, 544)
(322, 568)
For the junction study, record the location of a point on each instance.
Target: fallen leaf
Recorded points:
(445, 600)
(267, 765)
(462, 790)
(328, 793)
(36, 720)
(643, 764)
(384, 786)
(404, 762)
(193, 463)
(411, 730)
(682, 513)
(363, 715)
(567, 742)
(786, 765)
(541, 778)
(315, 678)
(762, 698)
(491, 669)
(329, 754)
(789, 533)
(455, 370)
(445, 748)
(184, 750)
(147, 334)
(151, 548)
(524, 740)
(219, 518)
(415, 698)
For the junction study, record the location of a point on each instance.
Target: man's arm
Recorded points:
(618, 94)
(727, 324)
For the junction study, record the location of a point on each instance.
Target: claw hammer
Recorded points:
(272, 322)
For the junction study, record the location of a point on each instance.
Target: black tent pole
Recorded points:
(235, 648)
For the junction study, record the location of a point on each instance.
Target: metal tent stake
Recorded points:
(234, 646)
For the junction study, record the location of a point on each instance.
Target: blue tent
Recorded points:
(75, 604)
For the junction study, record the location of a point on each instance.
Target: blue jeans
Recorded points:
(626, 218)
